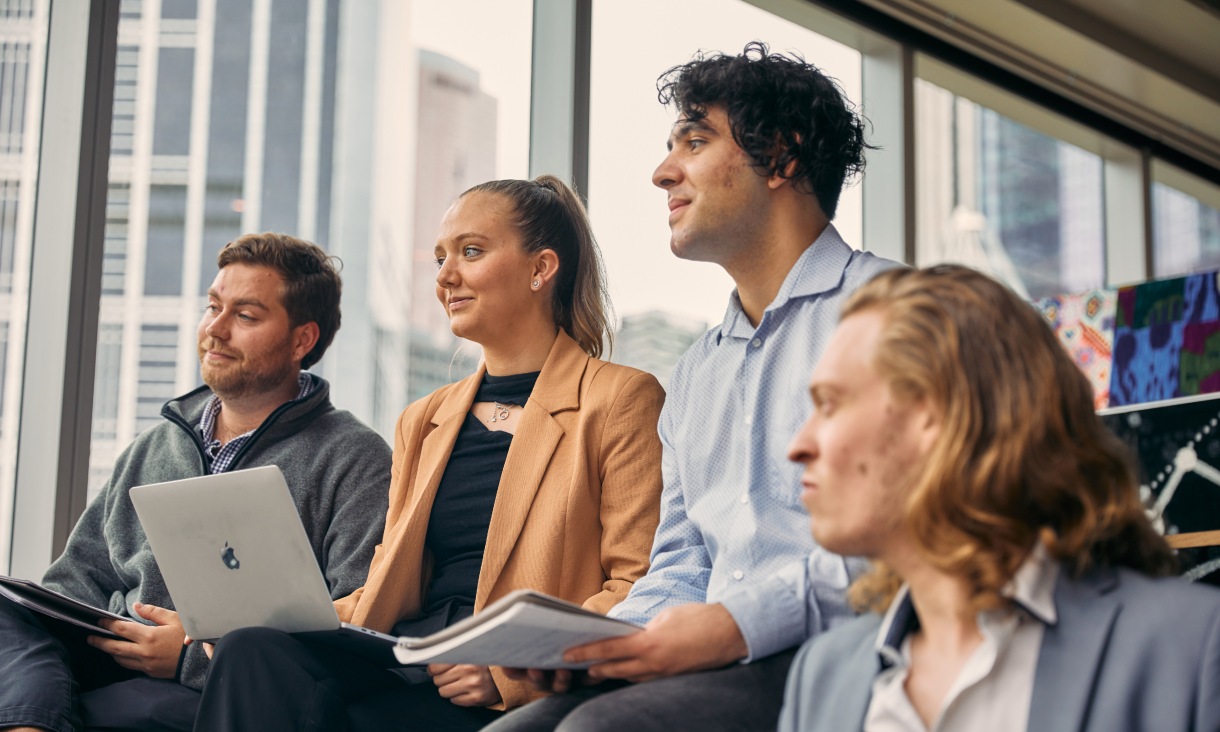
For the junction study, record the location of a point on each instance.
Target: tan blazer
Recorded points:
(577, 504)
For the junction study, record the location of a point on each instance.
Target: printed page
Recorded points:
(527, 635)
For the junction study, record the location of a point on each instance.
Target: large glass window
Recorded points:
(1005, 198)
(662, 302)
(23, 53)
(1185, 223)
(348, 123)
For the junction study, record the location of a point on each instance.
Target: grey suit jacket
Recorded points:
(1128, 653)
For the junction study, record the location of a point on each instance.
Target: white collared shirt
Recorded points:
(994, 687)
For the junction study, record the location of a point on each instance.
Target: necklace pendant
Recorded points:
(498, 412)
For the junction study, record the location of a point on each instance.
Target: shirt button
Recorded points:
(738, 574)
(745, 498)
(749, 420)
(757, 342)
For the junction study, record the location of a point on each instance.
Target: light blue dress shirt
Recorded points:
(732, 527)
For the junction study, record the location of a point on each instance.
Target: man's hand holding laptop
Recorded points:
(153, 649)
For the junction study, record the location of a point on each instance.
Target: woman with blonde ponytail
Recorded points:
(541, 471)
(550, 215)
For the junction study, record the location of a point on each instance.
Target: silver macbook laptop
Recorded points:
(234, 554)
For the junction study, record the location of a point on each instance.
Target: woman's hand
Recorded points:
(465, 685)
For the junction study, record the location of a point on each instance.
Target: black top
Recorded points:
(461, 513)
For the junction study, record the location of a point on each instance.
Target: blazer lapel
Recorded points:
(390, 594)
(437, 445)
(1073, 651)
(848, 706)
(537, 437)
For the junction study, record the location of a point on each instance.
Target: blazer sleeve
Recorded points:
(407, 437)
(629, 470)
(630, 477)
(680, 563)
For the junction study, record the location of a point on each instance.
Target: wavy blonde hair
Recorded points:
(1021, 456)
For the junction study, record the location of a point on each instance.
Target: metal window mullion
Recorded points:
(311, 121)
(256, 116)
(559, 90)
(1128, 215)
(196, 196)
(887, 71)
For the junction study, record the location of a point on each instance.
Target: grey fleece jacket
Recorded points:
(337, 469)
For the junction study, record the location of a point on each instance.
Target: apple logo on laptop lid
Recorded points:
(229, 557)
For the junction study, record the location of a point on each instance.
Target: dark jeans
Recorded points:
(50, 677)
(266, 680)
(141, 704)
(738, 697)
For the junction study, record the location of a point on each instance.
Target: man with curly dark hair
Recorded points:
(761, 149)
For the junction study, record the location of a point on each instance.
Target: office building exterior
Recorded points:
(235, 116)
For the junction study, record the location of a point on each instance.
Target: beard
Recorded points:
(247, 376)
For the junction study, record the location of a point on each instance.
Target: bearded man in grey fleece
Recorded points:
(272, 311)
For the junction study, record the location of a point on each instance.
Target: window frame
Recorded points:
(60, 346)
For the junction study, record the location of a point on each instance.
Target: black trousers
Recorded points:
(266, 680)
(51, 678)
(737, 697)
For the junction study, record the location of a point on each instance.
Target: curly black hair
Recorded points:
(782, 110)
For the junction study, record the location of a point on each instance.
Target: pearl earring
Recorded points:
(535, 283)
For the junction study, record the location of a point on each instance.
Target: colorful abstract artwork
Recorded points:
(1166, 340)
(1085, 326)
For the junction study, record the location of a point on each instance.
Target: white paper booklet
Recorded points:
(524, 629)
